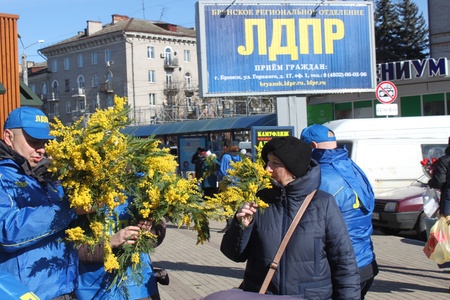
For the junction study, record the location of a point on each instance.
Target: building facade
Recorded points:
(153, 64)
(423, 86)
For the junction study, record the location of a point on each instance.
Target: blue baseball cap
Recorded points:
(317, 133)
(32, 120)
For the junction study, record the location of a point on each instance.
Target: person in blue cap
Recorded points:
(33, 211)
(353, 192)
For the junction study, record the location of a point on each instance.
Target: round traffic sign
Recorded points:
(386, 92)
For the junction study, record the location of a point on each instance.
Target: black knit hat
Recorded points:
(294, 153)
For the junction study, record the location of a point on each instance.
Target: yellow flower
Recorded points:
(135, 258)
(75, 234)
(111, 263)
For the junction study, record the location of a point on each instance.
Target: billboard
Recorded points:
(285, 48)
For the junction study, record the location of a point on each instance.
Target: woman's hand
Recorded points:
(146, 225)
(127, 235)
(245, 214)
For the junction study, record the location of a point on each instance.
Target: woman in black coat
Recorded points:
(319, 262)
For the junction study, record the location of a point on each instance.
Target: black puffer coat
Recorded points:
(318, 263)
(441, 180)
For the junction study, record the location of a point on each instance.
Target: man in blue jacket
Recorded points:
(33, 211)
(342, 178)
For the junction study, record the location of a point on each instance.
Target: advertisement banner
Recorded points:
(277, 47)
(187, 148)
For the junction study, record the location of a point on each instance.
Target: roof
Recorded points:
(133, 25)
(203, 126)
(27, 97)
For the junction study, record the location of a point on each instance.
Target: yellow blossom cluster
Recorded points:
(244, 179)
(101, 168)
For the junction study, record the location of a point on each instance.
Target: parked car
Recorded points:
(401, 209)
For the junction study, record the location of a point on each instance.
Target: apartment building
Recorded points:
(153, 64)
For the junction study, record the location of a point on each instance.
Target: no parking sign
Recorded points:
(386, 92)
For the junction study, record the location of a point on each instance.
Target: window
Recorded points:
(80, 81)
(81, 105)
(67, 85)
(187, 81)
(109, 81)
(54, 66)
(68, 107)
(187, 55)
(152, 99)
(107, 55)
(434, 105)
(80, 60)
(168, 56)
(151, 52)
(363, 109)
(94, 58)
(151, 76)
(169, 80)
(66, 64)
(95, 81)
(44, 89)
(55, 90)
(343, 110)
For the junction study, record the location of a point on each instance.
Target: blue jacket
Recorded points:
(225, 163)
(93, 280)
(342, 178)
(33, 219)
(318, 262)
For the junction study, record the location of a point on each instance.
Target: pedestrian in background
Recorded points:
(197, 159)
(342, 178)
(318, 262)
(33, 211)
(209, 182)
(230, 154)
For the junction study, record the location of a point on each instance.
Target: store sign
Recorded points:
(278, 47)
(262, 134)
(410, 69)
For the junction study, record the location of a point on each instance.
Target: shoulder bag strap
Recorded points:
(274, 264)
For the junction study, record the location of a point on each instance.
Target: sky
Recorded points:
(56, 20)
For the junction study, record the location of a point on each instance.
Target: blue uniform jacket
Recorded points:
(33, 219)
(93, 280)
(353, 192)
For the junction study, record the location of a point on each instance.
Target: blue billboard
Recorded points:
(279, 47)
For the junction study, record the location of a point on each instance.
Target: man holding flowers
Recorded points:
(33, 212)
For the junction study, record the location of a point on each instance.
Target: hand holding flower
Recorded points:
(245, 214)
(127, 235)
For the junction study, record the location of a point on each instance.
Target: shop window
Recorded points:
(433, 105)
(363, 109)
(343, 110)
(410, 106)
(448, 103)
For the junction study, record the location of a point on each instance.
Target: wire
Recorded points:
(224, 12)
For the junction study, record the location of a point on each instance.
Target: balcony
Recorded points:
(79, 92)
(106, 88)
(54, 96)
(171, 88)
(189, 89)
(170, 63)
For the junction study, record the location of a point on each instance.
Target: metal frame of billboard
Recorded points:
(285, 48)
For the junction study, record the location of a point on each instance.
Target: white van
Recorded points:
(389, 150)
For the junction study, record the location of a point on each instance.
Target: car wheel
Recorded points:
(421, 228)
(389, 231)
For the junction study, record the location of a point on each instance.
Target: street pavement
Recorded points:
(198, 270)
